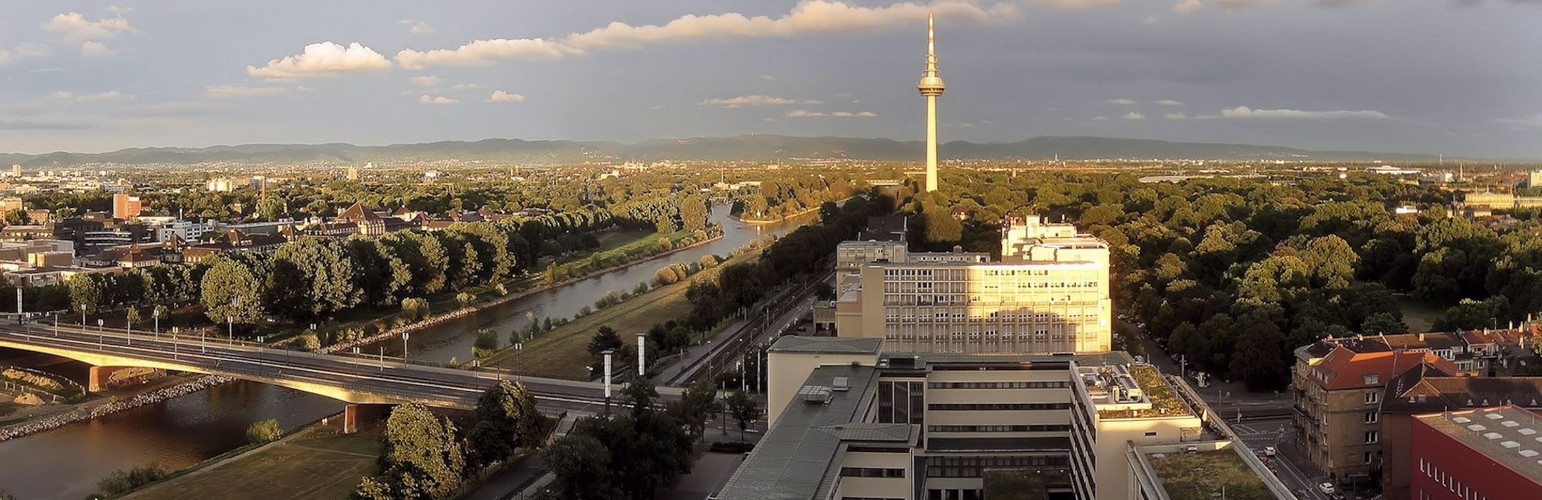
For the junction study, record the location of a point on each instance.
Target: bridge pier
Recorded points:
(103, 376)
(357, 416)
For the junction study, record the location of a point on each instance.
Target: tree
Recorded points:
(506, 419)
(582, 467)
(1471, 315)
(16, 217)
(312, 278)
(231, 290)
(88, 292)
(1256, 358)
(604, 339)
(465, 298)
(744, 410)
(485, 344)
(1380, 323)
(696, 405)
(133, 317)
(420, 457)
(264, 431)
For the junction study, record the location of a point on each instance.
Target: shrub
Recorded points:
(641, 288)
(416, 308)
(124, 480)
(264, 431)
(465, 298)
(486, 343)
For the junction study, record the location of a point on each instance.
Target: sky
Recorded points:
(1461, 78)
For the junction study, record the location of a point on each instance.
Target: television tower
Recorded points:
(931, 86)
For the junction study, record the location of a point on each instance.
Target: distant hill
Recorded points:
(744, 147)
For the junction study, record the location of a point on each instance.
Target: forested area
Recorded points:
(788, 195)
(1234, 274)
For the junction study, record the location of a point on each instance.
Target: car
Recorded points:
(1326, 488)
(1269, 451)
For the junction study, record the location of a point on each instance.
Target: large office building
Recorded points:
(1482, 454)
(850, 421)
(1048, 294)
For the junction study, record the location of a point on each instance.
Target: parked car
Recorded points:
(1326, 488)
(1269, 451)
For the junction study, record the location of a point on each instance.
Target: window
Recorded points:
(1372, 397)
(1372, 417)
(1372, 437)
(1372, 379)
(1369, 456)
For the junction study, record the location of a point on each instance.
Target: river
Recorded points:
(67, 462)
(452, 339)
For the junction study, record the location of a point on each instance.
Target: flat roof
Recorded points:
(1508, 434)
(827, 345)
(794, 458)
(1202, 475)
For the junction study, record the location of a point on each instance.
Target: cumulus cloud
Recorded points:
(24, 51)
(231, 91)
(1295, 114)
(810, 16)
(1187, 6)
(1078, 4)
(1133, 116)
(1122, 102)
(502, 96)
(94, 49)
(417, 27)
(1168, 102)
(426, 81)
(467, 86)
(428, 99)
(319, 59)
(752, 100)
(76, 28)
(803, 113)
(102, 96)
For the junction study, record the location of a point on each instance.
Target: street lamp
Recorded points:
(230, 321)
(404, 346)
(101, 343)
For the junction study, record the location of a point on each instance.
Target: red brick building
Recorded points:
(1483, 454)
(126, 206)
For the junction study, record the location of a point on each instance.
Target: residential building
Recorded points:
(1427, 389)
(126, 206)
(855, 421)
(1481, 454)
(11, 203)
(1337, 386)
(232, 241)
(368, 223)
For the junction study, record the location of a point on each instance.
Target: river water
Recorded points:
(66, 463)
(452, 339)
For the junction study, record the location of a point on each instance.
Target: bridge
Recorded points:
(359, 380)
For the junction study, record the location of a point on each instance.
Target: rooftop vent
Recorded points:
(1476, 428)
(1510, 444)
(1494, 416)
(1493, 435)
(815, 394)
(1510, 423)
(841, 384)
(1460, 420)
(1529, 453)
(1527, 431)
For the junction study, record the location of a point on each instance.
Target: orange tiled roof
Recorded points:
(1346, 369)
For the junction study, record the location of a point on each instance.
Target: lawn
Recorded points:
(563, 352)
(321, 464)
(1025, 484)
(1418, 314)
(1200, 476)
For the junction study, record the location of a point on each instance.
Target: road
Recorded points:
(728, 345)
(381, 377)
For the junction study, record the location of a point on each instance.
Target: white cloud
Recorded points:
(94, 49)
(769, 78)
(803, 113)
(24, 51)
(1151, 20)
(1187, 6)
(1133, 116)
(467, 86)
(502, 96)
(1168, 102)
(1175, 116)
(426, 81)
(1078, 4)
(76, 28)
(752, 100)
(230, 91)
(427, 99)
(810, 16)
(1294, 114)
(319, 59)
(1122, 102)
(420, 28)
(1099, 118)
(102, 96)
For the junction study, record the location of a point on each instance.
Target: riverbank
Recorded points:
(315, 461)
(785, 218)
(95, 409)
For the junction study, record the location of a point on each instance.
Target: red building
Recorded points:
(1483, 454)
(126, 206)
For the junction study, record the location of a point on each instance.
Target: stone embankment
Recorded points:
(87, 413)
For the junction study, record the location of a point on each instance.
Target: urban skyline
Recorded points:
(1356, 75)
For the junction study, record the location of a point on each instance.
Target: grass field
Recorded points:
(317, 465)
(1418, 314)
(1200, 476)
(563, 351)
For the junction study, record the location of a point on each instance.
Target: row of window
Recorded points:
(871, 472)
(989, 335)
(993, 317)
(999, 428)
(997, 406)
(975, 466)
(1051, 384)
(1446, 481)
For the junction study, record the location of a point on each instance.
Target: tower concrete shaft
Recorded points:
(931, 87)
